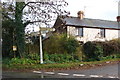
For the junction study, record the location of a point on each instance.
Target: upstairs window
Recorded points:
(102, 33)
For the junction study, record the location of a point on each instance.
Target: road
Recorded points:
(108, 71)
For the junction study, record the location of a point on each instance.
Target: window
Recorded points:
(102, 32)
(80, 32)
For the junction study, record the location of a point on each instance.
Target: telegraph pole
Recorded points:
(40, 45)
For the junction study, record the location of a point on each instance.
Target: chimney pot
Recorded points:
(118, 18)
(80, 14)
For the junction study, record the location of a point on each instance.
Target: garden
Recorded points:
(62, 52)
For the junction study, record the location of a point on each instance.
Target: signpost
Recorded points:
(41, 53)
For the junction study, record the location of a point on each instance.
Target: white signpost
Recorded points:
(41, 52)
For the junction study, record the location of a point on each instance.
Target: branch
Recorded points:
(6, 16)
(31, 22)
(51, 5)
(29, 3)
(40, 3)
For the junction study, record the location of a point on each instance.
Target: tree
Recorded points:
(16, 27)
(7, 29)
(22, 14)
(7, 35)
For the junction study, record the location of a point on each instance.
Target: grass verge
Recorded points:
(56, 66)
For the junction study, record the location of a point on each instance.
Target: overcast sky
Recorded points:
(96, 9)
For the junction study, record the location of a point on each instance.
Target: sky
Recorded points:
(95, 9)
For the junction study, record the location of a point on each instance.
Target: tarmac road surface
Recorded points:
(108, 71)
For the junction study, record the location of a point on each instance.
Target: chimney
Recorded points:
(80, 14)
(118, 18)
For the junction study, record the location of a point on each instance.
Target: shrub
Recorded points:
(67, 57)
(54, 44)
(59, 58)
(118, 55)
(93, 51)
(31, 48)
(45, 56)
(115, 56)
(33, 56)
(70, 45)
(56, 57)
(22, 61)
(79, 53)
(110, 47)
(60, 44)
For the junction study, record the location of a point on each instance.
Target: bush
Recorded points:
(31, 48)
(33, 56)
(70, 45)
(67, 57)
(92, 51)
(59, 48)
(45, 56)
(53, 44)
(110, 47)
(23, 61)
(60, 44)
(115, 56)
(80, 53)
(59, 58)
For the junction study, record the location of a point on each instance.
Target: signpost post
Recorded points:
(41, 53)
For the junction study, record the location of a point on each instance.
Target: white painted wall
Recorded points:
(92, 34)
(111, 34)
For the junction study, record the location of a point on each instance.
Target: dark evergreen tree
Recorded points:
(17, 15)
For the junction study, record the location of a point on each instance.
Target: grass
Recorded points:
(53, 65)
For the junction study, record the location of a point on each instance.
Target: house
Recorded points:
(85, 29)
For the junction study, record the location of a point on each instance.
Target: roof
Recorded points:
(86, 22)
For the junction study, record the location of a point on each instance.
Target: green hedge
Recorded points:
(110, 47)
(101, 50)
(92, 51)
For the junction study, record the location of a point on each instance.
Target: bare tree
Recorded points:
(44, 12)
